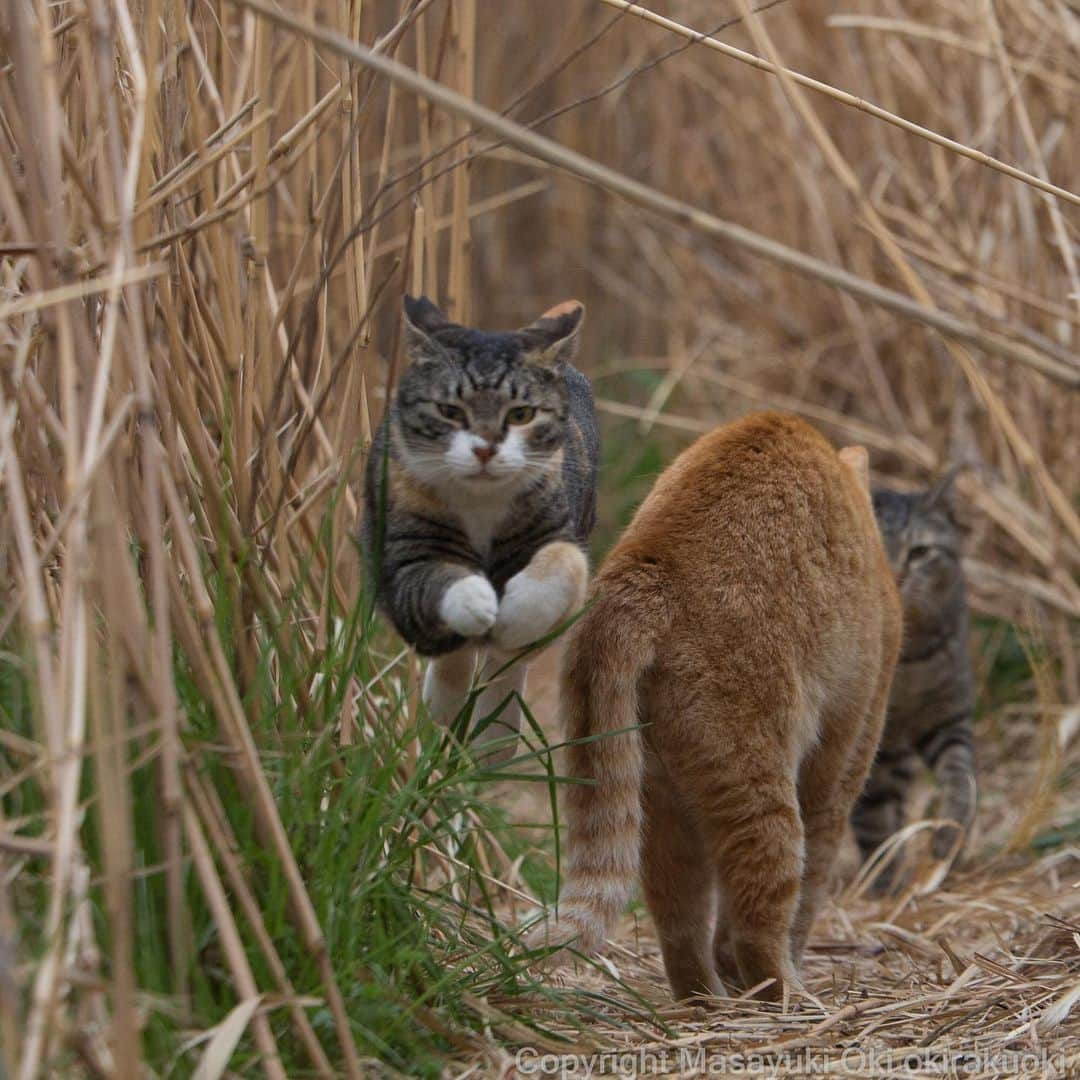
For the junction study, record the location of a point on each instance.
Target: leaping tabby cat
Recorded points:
(480, 496)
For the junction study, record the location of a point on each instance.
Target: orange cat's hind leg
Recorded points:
(829, 785)
(678, 882)
(723, 951)
(754, 832)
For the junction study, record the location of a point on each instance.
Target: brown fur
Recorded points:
(748, 620)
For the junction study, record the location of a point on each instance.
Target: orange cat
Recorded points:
(747, 619)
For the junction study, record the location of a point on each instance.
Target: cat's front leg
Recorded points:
(467, 607)
(498, 708)
(496, 716)
(437, 606)
(536, 600)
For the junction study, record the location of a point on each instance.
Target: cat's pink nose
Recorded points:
(485, 452)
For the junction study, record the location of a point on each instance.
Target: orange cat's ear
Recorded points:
(858, 461)
(554, 337)
(422, 320)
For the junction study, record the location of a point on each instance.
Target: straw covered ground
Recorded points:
(231, 842)
(975, 975)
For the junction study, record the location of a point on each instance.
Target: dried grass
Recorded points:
(207, 216)
(972, 974)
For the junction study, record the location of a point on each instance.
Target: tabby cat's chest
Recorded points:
(481, 523)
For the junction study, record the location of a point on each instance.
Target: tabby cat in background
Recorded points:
(480, 496)
(730, 678)
(933, 693)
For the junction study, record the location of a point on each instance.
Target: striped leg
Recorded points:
(879, 811)
(949, 750)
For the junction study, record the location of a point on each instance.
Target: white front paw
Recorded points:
(469, 606)
(530, 609)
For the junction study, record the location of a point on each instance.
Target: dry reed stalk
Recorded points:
(215, 822)
(255, 782)
(878, 113)
(1030, 68)
(846, 175)
(463, 44)
(680, 213)
(106, 695)
(231, 942)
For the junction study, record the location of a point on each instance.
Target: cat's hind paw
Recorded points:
(469, 606)
(549, 939)
(572, 927)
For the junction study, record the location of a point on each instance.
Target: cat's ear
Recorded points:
(422, 320)
(858, 461)
(942, 493)
(554, 338)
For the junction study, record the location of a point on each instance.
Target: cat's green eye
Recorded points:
(520, 414)
(452, 412)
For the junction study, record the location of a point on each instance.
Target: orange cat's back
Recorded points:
(762, 534)
(747, 618)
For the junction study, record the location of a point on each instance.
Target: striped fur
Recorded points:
(480, 496)
(748, 622)
(604, 662)
(930, 708)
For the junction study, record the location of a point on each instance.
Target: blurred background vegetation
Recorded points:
(228, 837)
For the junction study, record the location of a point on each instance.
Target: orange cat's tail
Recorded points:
(607, 650)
